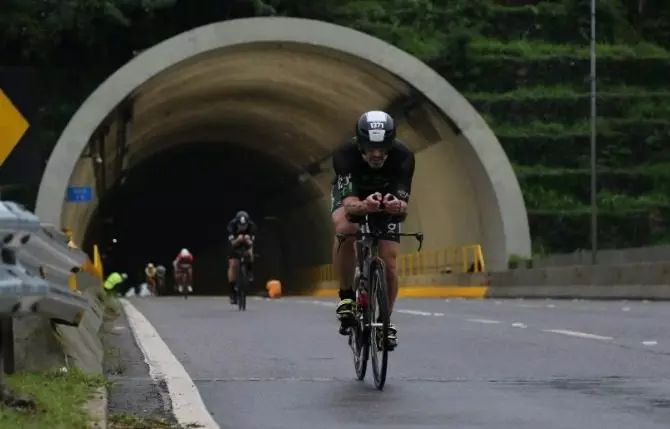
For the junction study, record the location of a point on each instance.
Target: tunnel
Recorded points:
(247, 113)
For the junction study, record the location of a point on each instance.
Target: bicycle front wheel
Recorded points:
(242, 288)
(378, 315)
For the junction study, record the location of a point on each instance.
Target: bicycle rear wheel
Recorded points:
(242, 287)
(378, 314)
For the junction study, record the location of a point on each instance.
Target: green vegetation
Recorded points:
(59, 400)
(127, 421)
(523, 64)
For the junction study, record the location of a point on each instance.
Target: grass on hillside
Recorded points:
(128, 421)
(537, 50)
(566, 91)
(536, 127)
(59, 397)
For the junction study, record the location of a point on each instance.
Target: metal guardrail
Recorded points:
(454, 259)
(36, 273)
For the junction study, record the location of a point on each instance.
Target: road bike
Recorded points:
(369, 333)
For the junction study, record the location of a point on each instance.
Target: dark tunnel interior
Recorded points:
(184, 197)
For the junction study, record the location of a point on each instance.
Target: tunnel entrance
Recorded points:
(184, 197)
(291, 89)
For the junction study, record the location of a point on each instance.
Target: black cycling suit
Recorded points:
(236, 252)
(354, 177)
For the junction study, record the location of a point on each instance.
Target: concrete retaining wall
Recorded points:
(646, 280)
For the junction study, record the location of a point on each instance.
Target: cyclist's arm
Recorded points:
(252, 231)
(231, 234)
(346, 186)
(401, 188)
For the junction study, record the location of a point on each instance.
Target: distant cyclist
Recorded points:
(150, 277)
(372, 167)
(160, 278)
(241, 236)
(183, 266)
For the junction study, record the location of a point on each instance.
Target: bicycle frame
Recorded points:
(367, 246)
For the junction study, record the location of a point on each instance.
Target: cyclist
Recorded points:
(373, 166)
(183, 264)
(241, 235)
(160, 278)
(150, 277)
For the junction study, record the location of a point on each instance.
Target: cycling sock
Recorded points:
(347, 294)
(232, 285)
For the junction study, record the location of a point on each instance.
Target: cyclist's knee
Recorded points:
(341, 224)
(388, 251)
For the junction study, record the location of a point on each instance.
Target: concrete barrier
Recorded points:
(456, 285)
(644, 280)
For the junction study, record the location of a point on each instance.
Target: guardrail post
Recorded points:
(7, 364)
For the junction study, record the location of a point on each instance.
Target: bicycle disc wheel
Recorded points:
(379, 323)
(242, 288)
(358, 341)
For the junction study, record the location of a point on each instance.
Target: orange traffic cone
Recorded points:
(274, 288)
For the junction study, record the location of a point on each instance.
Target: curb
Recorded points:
(96, 407)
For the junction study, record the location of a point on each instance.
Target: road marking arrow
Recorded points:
(12, 126)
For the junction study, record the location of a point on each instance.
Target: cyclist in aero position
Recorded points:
(183, 264)
(241, 235)
(372, 167)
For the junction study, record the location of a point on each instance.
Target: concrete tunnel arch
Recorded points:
(465, 189)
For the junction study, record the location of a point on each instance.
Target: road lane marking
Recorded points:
(415, 312)
(578, 334)
(519, 325)
(187, 403)
(485, 321)
(650, 343)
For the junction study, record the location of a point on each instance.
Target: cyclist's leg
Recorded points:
(233, 261)
(388, 252)
(180, 280)
(249, 254)
(344, 262)
(189, 279)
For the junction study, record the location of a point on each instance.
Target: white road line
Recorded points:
(650, 343)
(486, 321)
(415, 312)
(519, 325)
(578, 334)
(438, 314)
(187, 403)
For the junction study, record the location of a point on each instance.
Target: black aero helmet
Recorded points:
(242, 217)
(375, 130)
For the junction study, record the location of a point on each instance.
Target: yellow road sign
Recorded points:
(12, 126)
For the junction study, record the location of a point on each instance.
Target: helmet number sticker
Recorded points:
(377, 125)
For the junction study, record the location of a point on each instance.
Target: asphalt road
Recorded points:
(460, 364)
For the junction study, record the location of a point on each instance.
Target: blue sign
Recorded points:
(79, 194)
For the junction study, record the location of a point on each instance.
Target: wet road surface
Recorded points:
(460, 364)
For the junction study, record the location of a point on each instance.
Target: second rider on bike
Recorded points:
(371, 168)
(241, 236)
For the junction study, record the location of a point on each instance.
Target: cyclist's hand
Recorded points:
(372, 202)
(394, 205)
